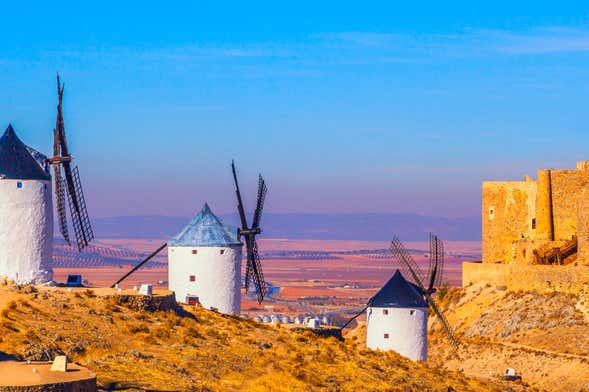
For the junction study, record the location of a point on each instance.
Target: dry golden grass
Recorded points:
(201, 350)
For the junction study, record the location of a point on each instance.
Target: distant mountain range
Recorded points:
(365, 227)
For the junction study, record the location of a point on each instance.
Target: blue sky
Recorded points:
(344, 107)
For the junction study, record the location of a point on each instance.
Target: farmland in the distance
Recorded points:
(312, 276)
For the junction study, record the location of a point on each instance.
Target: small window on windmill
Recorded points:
(412, 312)
(192, 278)
(491, 213)
(386, 335)
(19, 184)
(222, 251)
(194, 251)
(385, 311)
(533, 223)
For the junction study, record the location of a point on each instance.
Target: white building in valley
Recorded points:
(396, 319)
(204, 264)
(26, 212)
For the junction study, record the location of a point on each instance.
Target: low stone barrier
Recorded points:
(149, 303)
(515, 277)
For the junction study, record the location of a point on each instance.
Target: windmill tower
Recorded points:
(26, 208)
(397, 315)
(204, 264)
(26, 212)
(396, 319)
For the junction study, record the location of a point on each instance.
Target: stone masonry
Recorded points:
(525, 220)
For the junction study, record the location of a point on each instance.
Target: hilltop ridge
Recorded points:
(195, 349)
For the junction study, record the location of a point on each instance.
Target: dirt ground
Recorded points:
(19, 373)
(542, 336)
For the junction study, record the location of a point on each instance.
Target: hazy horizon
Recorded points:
(371, 227)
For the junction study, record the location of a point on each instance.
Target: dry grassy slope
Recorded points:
(543, 336)
(199, 350)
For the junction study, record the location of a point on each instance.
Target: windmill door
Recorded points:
(192, 300)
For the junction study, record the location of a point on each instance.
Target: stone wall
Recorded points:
(525, 217)
(583, 229)
(507, 213)
(566, 189)
(542, 278)
(321, 332)
(146, 303)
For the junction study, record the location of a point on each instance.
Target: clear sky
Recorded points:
(344, 107)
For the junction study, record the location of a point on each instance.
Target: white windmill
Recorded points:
(204, 259)
(204, 264)
(26, 212)
(26, 208)
(397, 315)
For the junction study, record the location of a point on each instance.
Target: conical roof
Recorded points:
(398, 293)
(16, 162)
(205, 229)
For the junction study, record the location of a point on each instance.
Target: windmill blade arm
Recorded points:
(256, 269)
(399, 251)
(442, 319)
(434, 259)
(248, 271)
(239, 201)
(441, 261)
(77, 203)
(151, 256)
(262, 190)
(354, 318)
(60, 203)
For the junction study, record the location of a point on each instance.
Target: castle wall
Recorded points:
(544, 214)
(583, 227)
(507, 213)
(515, 277)
(566, 189)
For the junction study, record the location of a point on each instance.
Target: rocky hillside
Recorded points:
(195, 349)
(542, 336)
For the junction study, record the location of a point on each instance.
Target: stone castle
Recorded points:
(537, 222)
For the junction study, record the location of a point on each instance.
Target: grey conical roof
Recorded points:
(16, 162)
(205, 229)
(397, 293)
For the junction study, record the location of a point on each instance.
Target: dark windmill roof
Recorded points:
(206, 229)
(16, 162)
(398, 293)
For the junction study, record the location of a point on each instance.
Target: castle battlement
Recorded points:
(545, 221)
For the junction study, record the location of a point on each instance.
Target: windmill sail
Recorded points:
(444, 321)
(60, 204)
(70, 183)
(262, 190)
(409, 265)
(253, 268)
(79, 212)
(256, 272)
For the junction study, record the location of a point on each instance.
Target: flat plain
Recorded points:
(311, 276)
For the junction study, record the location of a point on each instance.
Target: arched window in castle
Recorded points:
(491, 213)
(533, 223)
